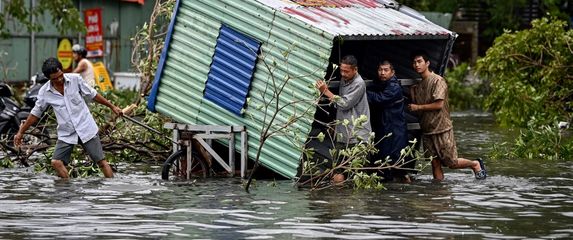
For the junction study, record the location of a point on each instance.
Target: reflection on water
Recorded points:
(522, 199)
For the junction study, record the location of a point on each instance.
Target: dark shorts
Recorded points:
(443, 147)
(92, 147)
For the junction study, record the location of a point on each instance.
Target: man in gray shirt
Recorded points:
(351, 103)
(65, 93)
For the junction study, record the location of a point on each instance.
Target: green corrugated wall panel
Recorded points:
(190, 55)
(192, 46)
(14, 62)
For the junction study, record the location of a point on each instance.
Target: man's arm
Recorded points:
(81, 67)
(23, 128)
(435, 106)
(323, 88)
(387, 97)
(39, 108)
(439, 93)
(101, 100)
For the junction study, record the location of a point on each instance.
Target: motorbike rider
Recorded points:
(84, 66)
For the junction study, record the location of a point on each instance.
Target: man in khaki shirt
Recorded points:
(430, 101)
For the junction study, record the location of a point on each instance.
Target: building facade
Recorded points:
(24, 52)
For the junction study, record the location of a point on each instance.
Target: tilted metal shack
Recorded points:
(221, 56)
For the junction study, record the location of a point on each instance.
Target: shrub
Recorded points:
(463, 95)
(531, 74)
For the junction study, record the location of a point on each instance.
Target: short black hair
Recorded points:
(386, 62)
(420, 53)
(51, 65)
(82, 53)
(349, 60)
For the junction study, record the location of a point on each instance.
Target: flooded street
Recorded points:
(520, 199)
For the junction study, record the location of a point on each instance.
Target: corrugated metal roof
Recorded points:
(360, 19)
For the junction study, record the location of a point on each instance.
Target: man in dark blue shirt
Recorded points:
(388, 122)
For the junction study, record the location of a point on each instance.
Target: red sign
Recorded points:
(94, 36)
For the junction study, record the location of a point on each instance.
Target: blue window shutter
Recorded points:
(232, 69)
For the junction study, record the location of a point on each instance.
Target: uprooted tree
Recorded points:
(531, 75)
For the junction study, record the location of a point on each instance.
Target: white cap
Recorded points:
(76, 48)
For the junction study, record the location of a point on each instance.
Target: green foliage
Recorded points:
(543, 142)
(503, 15)
(128, 142)
(65, 16)
(462, 95)
(367, 181)
(353, 160)
(149, 41)
(531, 74)
(6, 162)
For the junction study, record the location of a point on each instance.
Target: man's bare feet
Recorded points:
(337, 179)
(405, 179)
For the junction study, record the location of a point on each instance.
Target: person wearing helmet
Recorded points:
(84, 66)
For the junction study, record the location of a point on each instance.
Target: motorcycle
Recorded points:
(37, 81)
(12, 115)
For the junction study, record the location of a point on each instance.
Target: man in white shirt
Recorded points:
(65, 93)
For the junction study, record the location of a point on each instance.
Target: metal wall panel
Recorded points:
(232, 70)
(289, 48)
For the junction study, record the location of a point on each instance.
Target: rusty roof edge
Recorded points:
(404, 12)
(396, 37)
(333, 4)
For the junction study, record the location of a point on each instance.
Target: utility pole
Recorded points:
(32, 40)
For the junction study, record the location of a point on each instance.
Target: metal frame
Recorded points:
(204, 134)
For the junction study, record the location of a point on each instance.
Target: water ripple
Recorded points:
(38, 206)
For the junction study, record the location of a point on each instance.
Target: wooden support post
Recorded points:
(244, 152)
(213, 153)
(175, 138)
(189, 157)
(232, 154)
(209, 141)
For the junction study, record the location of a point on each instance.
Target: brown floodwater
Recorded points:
(520, 199)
